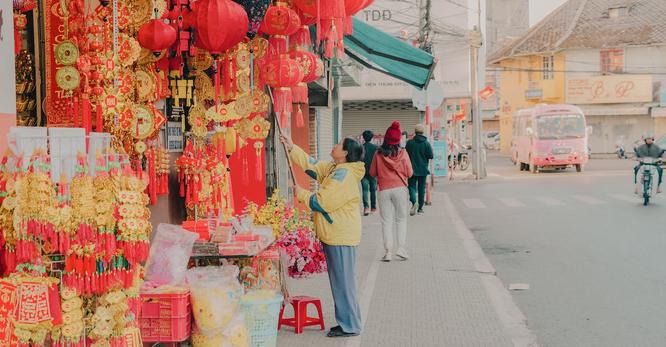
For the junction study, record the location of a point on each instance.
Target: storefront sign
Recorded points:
(534, 93)
(609, 89)
(440, 160)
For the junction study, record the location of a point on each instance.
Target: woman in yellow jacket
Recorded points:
(337, 220)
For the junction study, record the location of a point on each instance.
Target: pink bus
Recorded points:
(549, 137)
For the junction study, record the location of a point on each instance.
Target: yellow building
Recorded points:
(525, 82)
(604, 56)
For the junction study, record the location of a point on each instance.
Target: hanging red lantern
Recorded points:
(282, 73)
(309, 63)
(280, 21)
(353, 7)
(330, 27)
(210, 14)
(312, 68)
(156, 36)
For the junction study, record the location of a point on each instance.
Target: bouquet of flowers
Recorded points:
(294, 234)
(304, 251)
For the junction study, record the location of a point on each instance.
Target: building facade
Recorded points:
(606, 56)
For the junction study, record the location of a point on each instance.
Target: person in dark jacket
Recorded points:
(420, 153)
(649, 150)
(368, 182)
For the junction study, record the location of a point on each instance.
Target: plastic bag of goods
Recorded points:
(215, 295)
(170, 252)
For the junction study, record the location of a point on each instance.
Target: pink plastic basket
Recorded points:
(165, 317)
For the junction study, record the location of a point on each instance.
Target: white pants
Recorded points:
(393, 206)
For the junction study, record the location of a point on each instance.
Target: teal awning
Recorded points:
(380, 51)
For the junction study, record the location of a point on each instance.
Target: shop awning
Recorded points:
(380, 51)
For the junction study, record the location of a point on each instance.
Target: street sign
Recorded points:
(432, 96)
(486, 93)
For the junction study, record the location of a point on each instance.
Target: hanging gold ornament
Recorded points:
(198, 120)
(203, 87)
(68, 78)
(258, 46)
(143, 122)
(243, 105)
(201, 61)
(145, 86)
(223, 113)
(260, 101)
(243, 82)
(243, 57)
(66, 53)
(129, 50)
(256, 128)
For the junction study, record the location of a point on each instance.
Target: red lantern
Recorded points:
(352, 7)
(280, 21)
(156, 36)
(210, 14)
(309, 63)
(282, 73)
(330, 27)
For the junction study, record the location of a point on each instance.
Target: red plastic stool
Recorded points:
(301, 319)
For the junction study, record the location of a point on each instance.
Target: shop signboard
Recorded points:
(440, 162)
(174, 137)
(614, 89)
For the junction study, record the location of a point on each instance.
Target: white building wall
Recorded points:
(607, 130)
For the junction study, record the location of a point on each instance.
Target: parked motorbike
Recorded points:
(648, 178)
(619, 150)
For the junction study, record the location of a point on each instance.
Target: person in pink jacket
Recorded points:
(392, 167)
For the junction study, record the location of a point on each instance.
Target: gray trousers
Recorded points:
(341, 262)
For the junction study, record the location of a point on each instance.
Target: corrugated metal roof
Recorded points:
(589, 24)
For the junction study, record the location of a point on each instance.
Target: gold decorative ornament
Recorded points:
(243, 82)
(201, 61)
(145, 86)
(243, 105)
(142, 125)
(258, 46)
(140, 147)
(66, 53)
(68, 78)
(260, 101)
(203, 87)
(243, 57)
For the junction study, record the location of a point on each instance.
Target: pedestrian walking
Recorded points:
(420, 153)
(392, 167)
(368, 182)
(337, 223)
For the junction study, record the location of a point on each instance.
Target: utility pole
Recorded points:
(474, 45)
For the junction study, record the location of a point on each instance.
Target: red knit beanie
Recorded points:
(393, 134)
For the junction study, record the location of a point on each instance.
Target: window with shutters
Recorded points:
(612, 60)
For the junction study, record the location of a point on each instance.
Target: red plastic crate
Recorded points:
(165, 317)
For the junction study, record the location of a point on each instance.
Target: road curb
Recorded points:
(513, 320)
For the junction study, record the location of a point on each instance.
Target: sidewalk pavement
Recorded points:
(446, 294)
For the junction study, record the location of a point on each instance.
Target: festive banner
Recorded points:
(57, 101)
(7, 303)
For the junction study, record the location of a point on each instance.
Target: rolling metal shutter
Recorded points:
(324, 121)
(377, 116)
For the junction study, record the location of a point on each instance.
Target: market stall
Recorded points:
(100, 102)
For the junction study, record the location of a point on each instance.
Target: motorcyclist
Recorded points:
(649, 150)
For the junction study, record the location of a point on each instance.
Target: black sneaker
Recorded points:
(420, 212)
(340, 333)
(336, 328)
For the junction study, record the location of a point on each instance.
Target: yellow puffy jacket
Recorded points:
(336, 204)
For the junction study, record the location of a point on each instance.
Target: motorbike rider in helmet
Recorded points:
(649, 150)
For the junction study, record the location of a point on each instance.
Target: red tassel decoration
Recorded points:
(299, 118)
(85, 109)
(99, 122)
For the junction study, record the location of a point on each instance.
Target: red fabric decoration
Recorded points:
(330, 27)
(157, 35)
(352, 7)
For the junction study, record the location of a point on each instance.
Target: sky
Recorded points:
(541, 8)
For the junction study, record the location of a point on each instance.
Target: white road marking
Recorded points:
(550, 201)
(625, 197)
(474, 203)
(589, 199)
(511, 202)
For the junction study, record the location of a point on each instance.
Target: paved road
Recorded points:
(593, 256)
